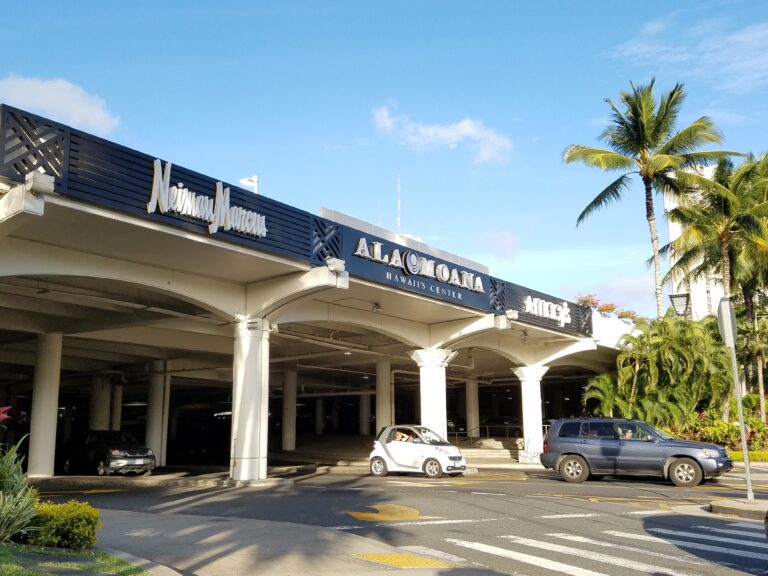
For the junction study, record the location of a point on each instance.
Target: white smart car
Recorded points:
(414, 448)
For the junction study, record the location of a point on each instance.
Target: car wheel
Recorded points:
(146, 473)
(378, 467)
(685, 472)
(432, 468)
(574, 469)
(102, 468)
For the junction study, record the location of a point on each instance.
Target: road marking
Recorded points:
(731, 532)
(596, 556)
(439, 554)
(757, 525)
(389, 512)
(691, 545)
(571, 516)
(488, 494)
(68, 492)
(401, 560)
(706, 537)
(648, 512)
(526, 558)
(423, 523)
(603, 543)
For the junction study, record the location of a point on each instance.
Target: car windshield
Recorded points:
(431, 437)
(113, 437)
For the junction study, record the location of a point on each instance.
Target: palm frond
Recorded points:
(610, 194)
(603, 159)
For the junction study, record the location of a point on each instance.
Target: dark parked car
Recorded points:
(105, 452)
(583, 447)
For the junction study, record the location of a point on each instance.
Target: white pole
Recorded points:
(727, 323)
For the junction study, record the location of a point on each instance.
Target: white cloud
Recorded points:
(734, 60)
(59, 100)
(489, 145)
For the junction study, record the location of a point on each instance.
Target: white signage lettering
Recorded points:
(413, 264)
(545, 309)
(216, 211)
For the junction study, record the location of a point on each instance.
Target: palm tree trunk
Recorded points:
(761, 386)
(651, 217)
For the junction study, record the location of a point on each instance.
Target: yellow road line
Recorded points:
(400, 560)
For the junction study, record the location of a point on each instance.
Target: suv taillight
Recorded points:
(546, 446)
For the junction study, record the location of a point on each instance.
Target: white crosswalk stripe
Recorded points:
(604, 544)
(691, 545)
(596, 556)
(744, 541)
(718, 539)
(527, 558)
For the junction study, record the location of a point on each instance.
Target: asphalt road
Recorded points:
(516, 523)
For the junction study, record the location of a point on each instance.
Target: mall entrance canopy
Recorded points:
(135, 292)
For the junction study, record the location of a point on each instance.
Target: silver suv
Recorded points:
(583, 447)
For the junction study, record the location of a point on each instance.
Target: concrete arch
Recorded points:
(25, 258)
(408, 332)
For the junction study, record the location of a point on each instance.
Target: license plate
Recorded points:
(138, 461)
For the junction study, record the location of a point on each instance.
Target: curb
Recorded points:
(757, 510)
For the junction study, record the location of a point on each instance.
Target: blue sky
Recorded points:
(470, 104)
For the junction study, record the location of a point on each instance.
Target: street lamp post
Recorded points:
(726, 321)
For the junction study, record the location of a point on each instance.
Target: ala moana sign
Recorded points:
(214, 210)
(414, 264)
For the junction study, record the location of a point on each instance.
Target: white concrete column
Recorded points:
(100, 402)
(250, 401)
(473, 408)
(319, 416)
(289, 410)
(533, 435)
(383, 395)
(116, 414)
(157, 410)
(364, 415)
(432, 363)
(45, 406)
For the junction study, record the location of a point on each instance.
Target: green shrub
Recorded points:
(718, 432)
(756, 456)
(17, 498)
(70, 525)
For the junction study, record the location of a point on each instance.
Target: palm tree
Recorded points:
(603, 389)
(725, 229)
(642, 140)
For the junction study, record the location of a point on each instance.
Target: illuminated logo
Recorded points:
(414, 264)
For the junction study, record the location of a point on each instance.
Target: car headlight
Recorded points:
(149, 452)
(709, 453)
(116, 452)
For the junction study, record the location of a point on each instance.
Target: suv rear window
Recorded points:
(569, 430)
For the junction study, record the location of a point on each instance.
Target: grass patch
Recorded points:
(19, 560)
